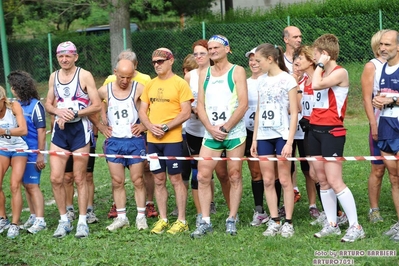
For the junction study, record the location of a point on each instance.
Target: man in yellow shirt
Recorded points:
(148, 177)
(165, 105)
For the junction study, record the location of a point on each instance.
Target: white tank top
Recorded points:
(249, 116)
(70, 95)
(221, 100)
(122, 113)
(194, 125)
(11, 142)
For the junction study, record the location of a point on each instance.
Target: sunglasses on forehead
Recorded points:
(159, 61)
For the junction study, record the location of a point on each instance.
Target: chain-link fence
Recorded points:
(354, 33)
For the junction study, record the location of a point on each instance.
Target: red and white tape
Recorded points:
(186, 158)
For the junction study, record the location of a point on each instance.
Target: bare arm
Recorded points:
(95, 118)
(337, 77)
(240, 80)
(22, 129)
(88, 84)
(41, 139)
(137, 129)
(367, 81)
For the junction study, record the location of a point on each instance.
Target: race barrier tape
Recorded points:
(187, 158)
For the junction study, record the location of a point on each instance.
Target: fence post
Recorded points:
(124, 38)
(4, 50)
(50, 55)
(288, 21)
(380, 15)
(203, 29)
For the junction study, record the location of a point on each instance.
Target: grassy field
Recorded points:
(249, 247)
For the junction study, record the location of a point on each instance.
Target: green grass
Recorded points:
(129, 246)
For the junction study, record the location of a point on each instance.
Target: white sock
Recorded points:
(121, 213)
(329, 200)
(140, 212)
(33, 215)
(64, 218)
(82, 219)
(207, 219)
(40, 219)
(347, 201)
(149, 201)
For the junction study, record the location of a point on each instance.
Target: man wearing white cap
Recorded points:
(74, 91)
(222, 103)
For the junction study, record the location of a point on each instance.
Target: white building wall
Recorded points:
(254, 4)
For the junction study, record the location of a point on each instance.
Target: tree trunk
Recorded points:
(228, 4)
(118, 19)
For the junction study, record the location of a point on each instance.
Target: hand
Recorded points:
(217, 134)
(105, 130)
(66, 114)
(254, 149)
(157, 131)
(61, 123)
(40, 165)
(324, 58)
(286, 151)
(137, 129)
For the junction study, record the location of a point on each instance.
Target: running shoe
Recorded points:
(91, 217)
(13, 231)
(321, 220)
(118, 222)
(259, 218)
(178, 227)
(393, 230)
(28, 223)
(175, 212)
(198, 219)
(70, 212)
(159, 227)
(202, 230)
(213, 208)
(375, 216)
(341, 220)
(395, 237)
(314, 212)
(112, 212)
(38, 226)
(328, 230)
(272, 228)
(141, 223)
(287, 230)
(354, 233)
(231, 226)
(4, 224)
(82, 230)
(297, 196)
(150, 210)
(64, 228)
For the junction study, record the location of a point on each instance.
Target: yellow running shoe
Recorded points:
(159, 227)
(178, 227)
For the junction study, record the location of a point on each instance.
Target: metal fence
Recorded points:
(354, 32)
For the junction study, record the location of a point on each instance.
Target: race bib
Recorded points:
(320, 99)
(270, 115)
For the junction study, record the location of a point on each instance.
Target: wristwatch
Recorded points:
(321, 65)
(7, 132)
(395, 99)
(223, 129)
(75, 114)
(165, 128)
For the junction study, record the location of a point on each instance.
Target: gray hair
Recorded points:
(129, 55)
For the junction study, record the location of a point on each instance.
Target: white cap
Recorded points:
(247, 54)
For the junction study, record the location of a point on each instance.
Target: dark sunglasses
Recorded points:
(159, 62)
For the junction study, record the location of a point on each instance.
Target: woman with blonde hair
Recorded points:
(12, 127)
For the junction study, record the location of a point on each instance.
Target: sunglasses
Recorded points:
(159, 62)
(202, 54)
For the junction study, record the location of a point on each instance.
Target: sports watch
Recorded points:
(395, 99)
(321, 65)
(75, 114)
(165, 128)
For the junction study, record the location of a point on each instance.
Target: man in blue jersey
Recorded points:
(388, 127)
(75, 93)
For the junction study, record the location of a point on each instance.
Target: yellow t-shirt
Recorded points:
(140, 78)
(164, 98)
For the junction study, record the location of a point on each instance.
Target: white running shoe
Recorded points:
(38, 226)
(259, 218)
(354, 233)
(287, 230)
(118, 223)
(141, 223)
(273, 228)
(327, 230)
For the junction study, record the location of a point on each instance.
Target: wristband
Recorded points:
(7, 132)
(96, 136)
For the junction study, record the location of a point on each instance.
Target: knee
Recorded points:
(394, 180)
(138, 182)
(15, 187)
(57, 181)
